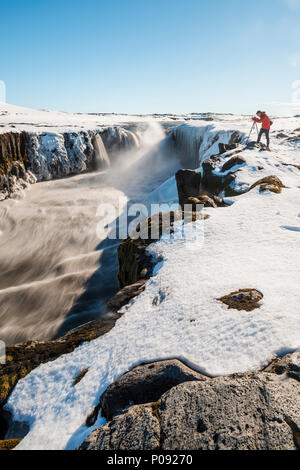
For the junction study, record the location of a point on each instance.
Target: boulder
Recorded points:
(137, 429)
(272, 183)
(252, 411)
(244, 299)
(223, 148)
(232, 162)
(145, 384)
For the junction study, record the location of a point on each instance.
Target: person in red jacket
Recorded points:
(265, 128)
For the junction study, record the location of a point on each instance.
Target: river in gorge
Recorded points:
(56, 273)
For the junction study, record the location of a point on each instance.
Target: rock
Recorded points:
(145, 384)
(240, 412)
(223, 148)
(232, 162)
(9, 444)
(206, 201)
(244, 299)
(272, 183)
(281, 135)
(292, 164)
(14, 163)
(188, 184)
(270, 187)
(137, 429)
(289, 364)
(80, 376)
(214, 182)
(125, 295)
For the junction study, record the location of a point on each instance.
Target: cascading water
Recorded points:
(101, 156)
(56, 274)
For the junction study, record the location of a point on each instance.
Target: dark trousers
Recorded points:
(267, 134)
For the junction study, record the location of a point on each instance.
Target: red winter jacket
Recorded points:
(265, 120)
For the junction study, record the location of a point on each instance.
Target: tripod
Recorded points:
(254, 125)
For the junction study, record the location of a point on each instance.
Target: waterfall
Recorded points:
(101, 156)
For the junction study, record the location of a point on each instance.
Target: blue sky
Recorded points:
(146, 56)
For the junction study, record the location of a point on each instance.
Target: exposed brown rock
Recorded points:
(271, 183)
(270, 187)
(13, 163)
(80, 376)
(9, 444)
(244, 299)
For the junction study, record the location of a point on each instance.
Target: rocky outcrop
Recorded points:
(233, 162)
(9, 444)
(271, 183)
(188, 185)
(252, 411)
(145, 384)
(244, 299)
(14, 164)
(195, 188)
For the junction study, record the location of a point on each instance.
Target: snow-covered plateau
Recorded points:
(253, 242)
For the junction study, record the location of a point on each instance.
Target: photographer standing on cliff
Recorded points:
(264, 119)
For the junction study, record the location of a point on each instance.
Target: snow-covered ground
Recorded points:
(254, 243)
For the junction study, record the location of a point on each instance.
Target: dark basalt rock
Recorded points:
(223, 148)
(188, 184)
(9, 444)
(234, 161)
(145, 384)
(244, 299)
(191, 184)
